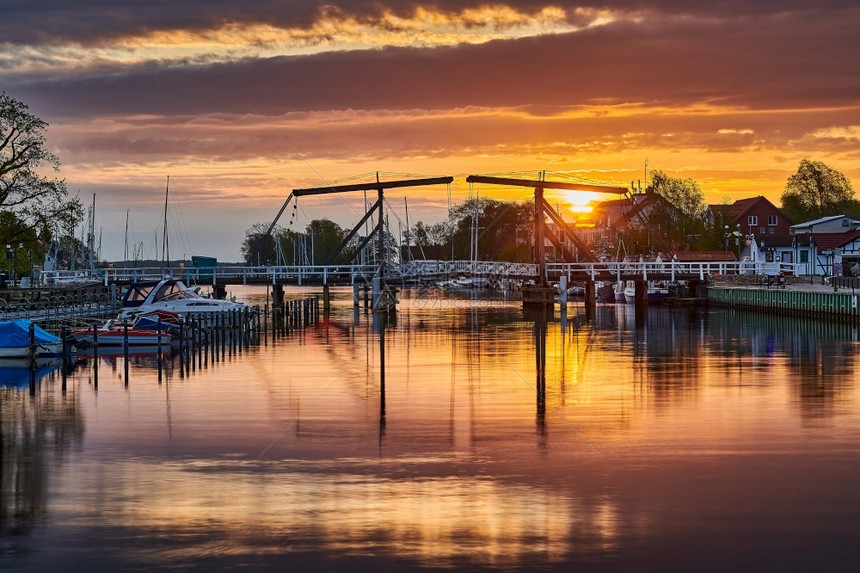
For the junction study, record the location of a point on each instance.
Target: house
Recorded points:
(823, 254)
(610, 220)
(752, 216)
(832, 224)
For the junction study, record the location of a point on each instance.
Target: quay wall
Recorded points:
(843, 305)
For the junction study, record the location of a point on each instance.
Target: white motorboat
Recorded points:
(174, 296)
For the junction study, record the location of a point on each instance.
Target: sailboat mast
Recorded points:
(165, 248)
(126, 236)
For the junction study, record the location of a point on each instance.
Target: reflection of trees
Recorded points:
(35, 432)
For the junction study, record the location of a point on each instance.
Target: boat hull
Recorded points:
(118, 337)
(51, 350)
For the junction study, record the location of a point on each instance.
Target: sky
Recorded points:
(239, 103)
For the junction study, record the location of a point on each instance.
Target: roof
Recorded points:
(705, 256)
(828, 241)
(741, 207)
(819, 221)
(778, 240)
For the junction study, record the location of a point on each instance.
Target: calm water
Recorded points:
(459, 434)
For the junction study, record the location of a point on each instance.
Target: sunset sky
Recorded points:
(239, 103)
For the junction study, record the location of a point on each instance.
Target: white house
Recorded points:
(832, 224)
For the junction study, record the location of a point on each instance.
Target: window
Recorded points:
(771, 220)
(804, 256)
(752, 221)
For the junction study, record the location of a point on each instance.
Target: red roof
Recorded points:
(705, 256)
(828, 241)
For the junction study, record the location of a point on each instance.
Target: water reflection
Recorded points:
(467, 435)
(38, 425)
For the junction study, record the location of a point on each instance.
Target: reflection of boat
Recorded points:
(19, 372)
(172, 295)
(15, 340)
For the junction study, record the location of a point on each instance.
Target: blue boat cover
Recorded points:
(15, 333)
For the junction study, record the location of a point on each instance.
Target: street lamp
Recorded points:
(811, 258)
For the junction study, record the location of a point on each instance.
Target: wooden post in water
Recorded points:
(31, 351)
(158, 340)
(562, 291)
(641, 293)
(125, 340)
(590, 297)
(326, 300)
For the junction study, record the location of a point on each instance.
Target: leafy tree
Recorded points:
(817, 190)
(258, 248)
(38, 203)
(320, 239)
(687, 212)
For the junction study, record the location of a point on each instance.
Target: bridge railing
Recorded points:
(416, 270)
(671, 268)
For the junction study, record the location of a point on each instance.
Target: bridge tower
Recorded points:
(543, 210)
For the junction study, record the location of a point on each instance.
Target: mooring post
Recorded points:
(31, 352)
(562, 290)
(326, 300)
(641, 293)
(356, 297)
(377, 287)
(159, 349)
(590, 295)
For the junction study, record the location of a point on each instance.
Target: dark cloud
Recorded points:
(780, 61)
(89, 22)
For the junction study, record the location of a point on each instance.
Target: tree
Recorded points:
(258, 248)
(37, 202)
(817, 190)
(320, 239)
(688, 202)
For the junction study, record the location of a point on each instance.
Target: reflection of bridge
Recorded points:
(418, 270)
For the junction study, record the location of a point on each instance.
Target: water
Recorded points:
(457, 435)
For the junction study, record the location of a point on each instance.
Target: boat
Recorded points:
(142, 331)
(620, 297)
(172, 295)
(115, 333)
(630, 292)
(656, 295)
(15, 340)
